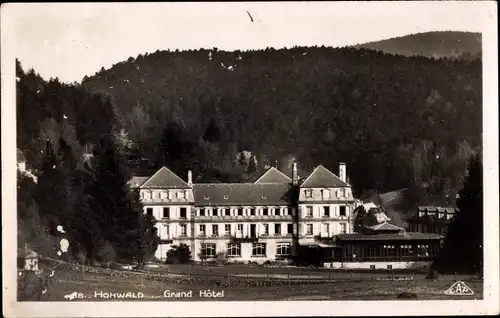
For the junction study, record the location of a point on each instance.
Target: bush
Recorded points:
(179, 255)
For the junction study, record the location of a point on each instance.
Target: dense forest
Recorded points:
(437, 44)
(396, 121)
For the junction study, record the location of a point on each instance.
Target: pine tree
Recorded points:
(49, 194)
(117, 209)
(463, 246)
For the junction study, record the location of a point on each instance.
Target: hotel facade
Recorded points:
(264, 220)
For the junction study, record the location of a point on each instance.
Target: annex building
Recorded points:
(264, 220)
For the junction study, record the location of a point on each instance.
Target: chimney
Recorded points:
(190, 178)
(295, 178)
(342, 172)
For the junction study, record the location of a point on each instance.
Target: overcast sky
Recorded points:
(72, 40)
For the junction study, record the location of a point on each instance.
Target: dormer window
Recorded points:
(225, 197)
(206, 197)
(264, 197)
(308, 193)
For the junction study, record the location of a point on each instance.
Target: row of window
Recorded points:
(253, 230)
(182, 194)
(234, 249)
(326, 228)
(252, 212)
(326, 194)
(249, 212)
(326, 211)
(166, 212)
(168, 195)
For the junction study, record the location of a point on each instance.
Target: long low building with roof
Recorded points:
(258, 221)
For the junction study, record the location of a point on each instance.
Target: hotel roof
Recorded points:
(273, 175)
(385, 227)
(241, 194)
(165, 179)
(323, 178)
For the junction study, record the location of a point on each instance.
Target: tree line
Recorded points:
(86, 196)
(396, 121)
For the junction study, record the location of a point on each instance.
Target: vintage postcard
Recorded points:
(250, 159)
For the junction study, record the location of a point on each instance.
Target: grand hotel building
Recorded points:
(259, 221)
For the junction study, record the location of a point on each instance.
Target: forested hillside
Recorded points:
(396, 121)
(393, 119)
(438, 44)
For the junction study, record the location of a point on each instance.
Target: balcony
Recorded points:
(244, 239)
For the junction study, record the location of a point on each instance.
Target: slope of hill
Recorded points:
(450, 44)
(394, 120)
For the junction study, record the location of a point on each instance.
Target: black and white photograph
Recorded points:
(250, 158)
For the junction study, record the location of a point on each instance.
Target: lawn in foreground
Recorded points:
(344, 289)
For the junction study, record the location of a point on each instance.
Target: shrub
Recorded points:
(180, 254)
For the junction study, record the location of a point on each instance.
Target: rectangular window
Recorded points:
(208, 250)
(149, 211)
(169, 195)
(227, 229)
(283, 249)
(309, 211)
(233, 249)
(265, 211)
(158, 195)
(326, 228)
(288, 211)
(266, 229)
(215, 230)
(325, 194)
(252, 211)
(227, 212)
(326, 211)
(289, 228)
(309, 229)
(202, 230)
(259, 249)
(240, 228)
(166, 213)
(240, 211)
(277, 229)
(183, 229)
(202, 212)
(308, 193)
(183, 213)
(342, 211)
(343, 228)
(180, 195)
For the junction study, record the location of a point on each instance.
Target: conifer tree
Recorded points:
(117, 209)
(49, 193)
(463, 246)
